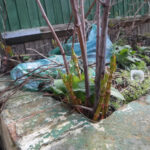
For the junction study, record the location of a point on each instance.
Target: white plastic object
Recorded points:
(137, 75)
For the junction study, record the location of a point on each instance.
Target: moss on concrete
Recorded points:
(136, 90)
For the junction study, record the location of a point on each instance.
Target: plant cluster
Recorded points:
(71, 88)
(130, 89)
(129, 59)
(88, 95)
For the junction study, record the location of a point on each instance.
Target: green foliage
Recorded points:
(119, 81)
(106, 82)
(58, 88)
(131, 90)
(146, 59)
(143, 50)
(127, 57)
(140, 65)
(72, 86)
(144, 54)
(136, 89)
(115, 93)
(79, 89)
(121, 42)
(26, 58)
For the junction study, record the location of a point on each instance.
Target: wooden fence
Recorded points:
(22, 14)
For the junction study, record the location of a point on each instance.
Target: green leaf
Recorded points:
(56, 91)
(133, 52)
(137, 59)
(130, 58)
(75, 80)
(58, 88)
(117, 94)
(80, 95)
(58, 83)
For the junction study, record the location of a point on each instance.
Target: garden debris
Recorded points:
(91, 47)
(49, 66)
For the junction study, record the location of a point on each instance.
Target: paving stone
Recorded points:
(30, 121)
(148, 99)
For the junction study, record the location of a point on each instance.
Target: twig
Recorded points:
(6, 80)
(31, 49)
(21, 78)
(86, 15)
(90, 8)
(4, 74)
(11, 88)
(84, 107)
(102, 2)
(83, 18)
(141, 6)
(93, 64)
(30, 72)
(2, 102)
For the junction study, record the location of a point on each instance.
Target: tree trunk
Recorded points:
(100, 52)
(82, 42)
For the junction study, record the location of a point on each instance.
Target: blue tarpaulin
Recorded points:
(25, 69)
(91, 47)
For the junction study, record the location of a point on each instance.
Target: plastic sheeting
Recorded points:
(91, 47)
(41, 67)
(47, 67)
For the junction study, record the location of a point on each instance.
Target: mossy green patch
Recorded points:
(136, 90)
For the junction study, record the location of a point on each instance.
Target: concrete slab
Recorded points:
(30, 121)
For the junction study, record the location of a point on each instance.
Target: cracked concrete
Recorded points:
(30, 121)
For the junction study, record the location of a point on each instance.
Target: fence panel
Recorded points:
(21, 14)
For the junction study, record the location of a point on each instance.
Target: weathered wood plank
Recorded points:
(47, 45)
(121, 8)
(92, 14)
(23, 14)
(125, 7)
(44, 33)
(86, 7)
(4, 23)
(41, 19)
(58, 12)
(1, 17)
(33, 15)
(12, 15)
(50, 11)
(18, 49)
(65, 10)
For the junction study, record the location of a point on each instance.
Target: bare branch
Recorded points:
(83, 18)
(34, 50)
(102, 2)
(54, 34)
(141, 6)
(90, 8)
(101, 48)
(82, 41)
